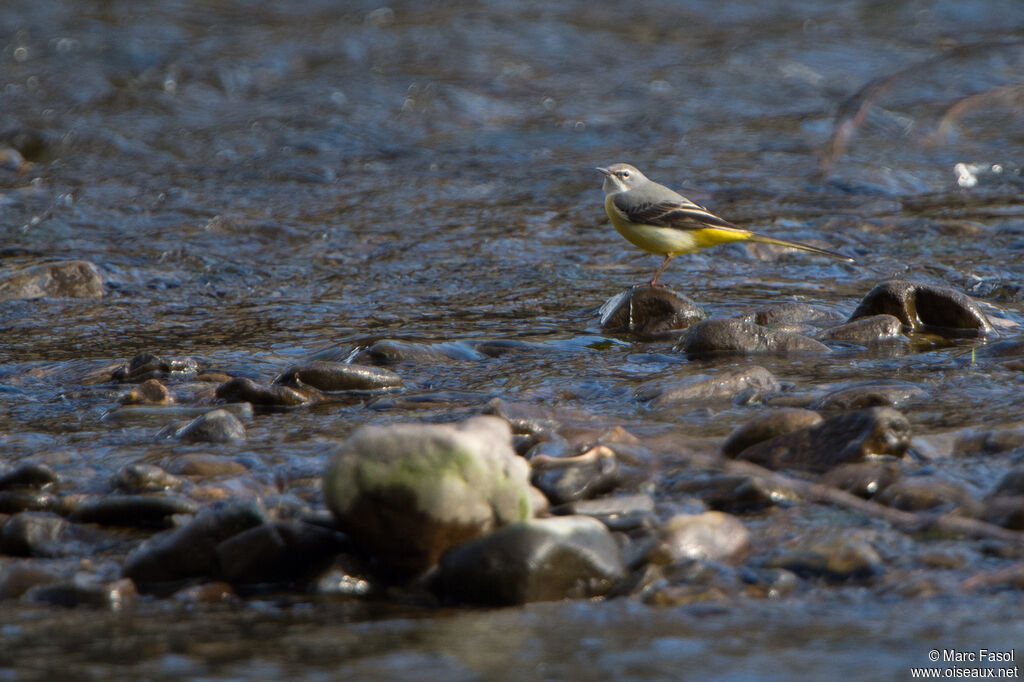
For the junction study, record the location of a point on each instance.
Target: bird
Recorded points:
(664, 222)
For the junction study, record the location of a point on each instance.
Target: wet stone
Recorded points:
(339, 376)
(774, 423)
(567, 479)
(85, 590)
(282, 552)
(1006, 510)
(865, 331)
(242, 389)
(989, 442)
(925, 307)
(30, 475)
(149, 392)
(191, 551)
(845, 558)
(870, 394)
(712, 535)
(32, 534)
(17, 500)
(789, 314)
(649, 312)
(145, 478)
(205, 466)
(863, 479)
(928, 493)
(144, 511)
(619, 513)
(565, 557)
(844, 438)
(146, 366)
(17, 578)
(740, 384)
(1012, 482)
(727, 492)
(407, 492)
(391, 352)
(736, 336)
(216, 426)
(68, 279)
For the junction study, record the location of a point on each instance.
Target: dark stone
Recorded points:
(26, 499)
(863, 479)
(990, 442)
(242, 389)
(1006, 510)
(1012, 483)
(85, 591)
(566, 557)
(736, 336)
(649, 312)
(619, 513)
(390, 352)
(145, 511)
(839, 559)
(865, 331)
(776, 422)
(67, 279)
(216, 426)
(525, 418)
(925, 307)
(145, 478)
(577, 481)
(338, 376)
(191, 551)
(145, 366)
(282, 552)
(844, 438)
(928, 493)
(727, 492)
(31, 475)
(869, 394)
(32, 534)
(789, 314)
(740, 384)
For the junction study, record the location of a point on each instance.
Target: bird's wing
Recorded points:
(681, 215)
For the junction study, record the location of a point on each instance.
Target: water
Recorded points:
(259, 182)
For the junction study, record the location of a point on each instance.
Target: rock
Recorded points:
(408, 492)
(30, 475)
(144, 511)
(145, 478)
(789, 314)
(241, 389)
(146, 415)
(67, 279)
(863, 479)
(1012, 483)
(740, 384)
(525, 418)
(566, 479)
(865, 331)
(728, 492)
(149, 392)
(17, 500)
(844, 438)
(145, 366)
(565, 557)
(925, 307)
(205, 466)
(32, 534)
(620, 513)
(282, 552)
(16, 578)
(720, 335)
(338, 376)
(389, 352)
(649, 312)
(1006, 510)
(842, 558)
(869, 394)
(774, 423)
(216, 426)
(191, 551)
(712, 535)
(986, 442)
(85, 590)
(928, 493)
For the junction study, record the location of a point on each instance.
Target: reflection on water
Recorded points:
(259, 182)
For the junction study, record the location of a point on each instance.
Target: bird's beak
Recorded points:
(603, 171)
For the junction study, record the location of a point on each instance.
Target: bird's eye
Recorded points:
(624, 174)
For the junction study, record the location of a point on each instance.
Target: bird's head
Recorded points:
(620, 177)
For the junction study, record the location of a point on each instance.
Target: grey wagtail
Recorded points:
(668, 224)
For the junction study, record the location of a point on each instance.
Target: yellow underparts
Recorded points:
(670, 241)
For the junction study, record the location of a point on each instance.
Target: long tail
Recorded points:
(754, 237)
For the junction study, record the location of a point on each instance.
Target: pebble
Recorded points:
(149, 392)
(841, 439)
(863, 479)
(147, 365)
(720, 335)
(564, 557)
(145, 478)
(929, 493)
(215, 426)
(649, 312)
(29, 475)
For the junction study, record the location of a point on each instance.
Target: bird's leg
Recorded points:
(661, 269)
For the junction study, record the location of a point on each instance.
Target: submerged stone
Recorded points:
(865, 331)
(278, 553)
(68, 279)
(649, 312)
(566, 557)
(739, 384)
(132, 510)
(776, 422)
(869, 394)
(32, 534)
(408, 492)
(925, 307)
(338, 376)
(728, 335)
(242, 389)
(929, 493)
